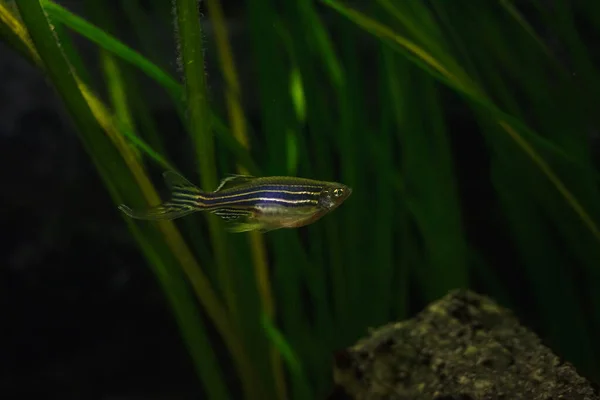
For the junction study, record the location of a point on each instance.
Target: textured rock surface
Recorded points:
(462, 347)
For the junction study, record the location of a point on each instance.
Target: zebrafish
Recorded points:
(249, 203)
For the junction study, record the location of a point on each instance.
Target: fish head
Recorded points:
(333, 195)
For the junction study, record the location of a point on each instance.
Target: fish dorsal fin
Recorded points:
(175, 181)
(233, 181)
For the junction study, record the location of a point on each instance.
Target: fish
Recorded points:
(248, 203)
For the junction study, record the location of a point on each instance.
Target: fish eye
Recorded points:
(338, 192)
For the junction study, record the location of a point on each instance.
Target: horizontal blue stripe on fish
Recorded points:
(272, 187)
(253, 201)
(214, 199)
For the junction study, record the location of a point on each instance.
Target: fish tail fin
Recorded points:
(167, 210)
(183, 201)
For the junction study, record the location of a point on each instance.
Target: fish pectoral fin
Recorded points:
(297, 219)
(238, 227)
(296, 222)
(164, 211)
(233, 181)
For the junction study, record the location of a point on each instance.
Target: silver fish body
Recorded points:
(250, 203)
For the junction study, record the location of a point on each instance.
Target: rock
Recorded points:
(462, 347)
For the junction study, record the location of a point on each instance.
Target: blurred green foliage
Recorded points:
(363, 93)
